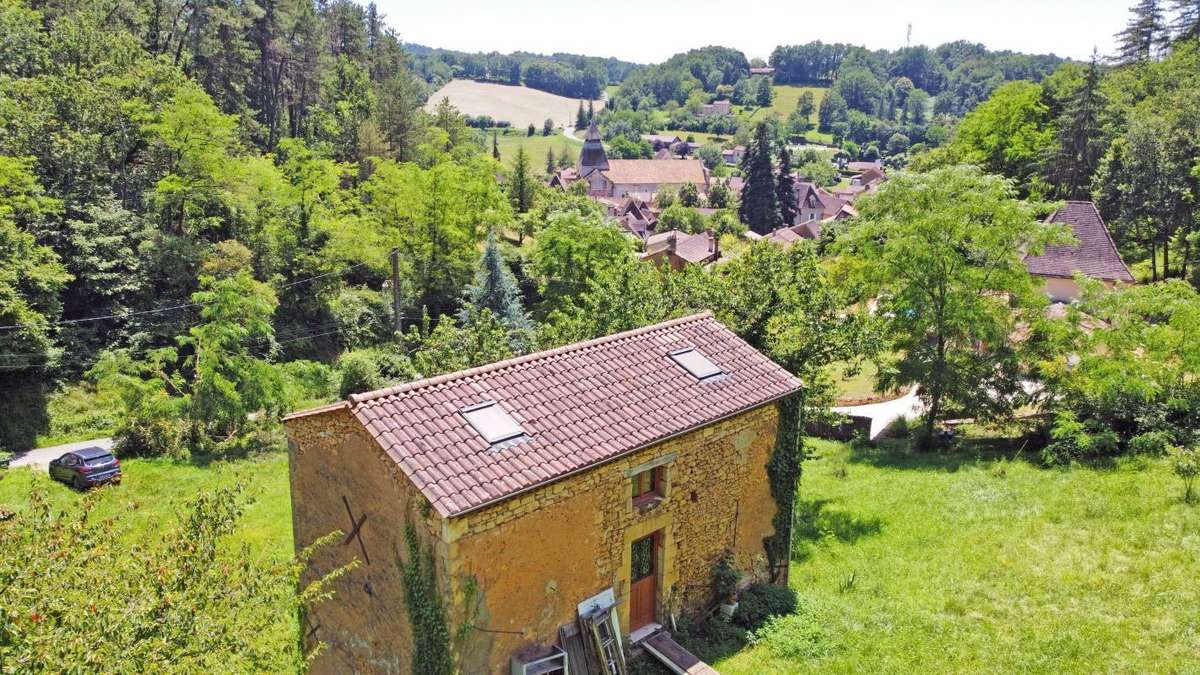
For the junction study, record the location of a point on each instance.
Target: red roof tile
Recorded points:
(1095, 255)
(579, 406)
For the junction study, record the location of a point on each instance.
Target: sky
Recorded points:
(650, 31)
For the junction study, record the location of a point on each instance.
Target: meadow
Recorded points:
(520, 106)
(984, 563)
(786, 98)
(535, 146)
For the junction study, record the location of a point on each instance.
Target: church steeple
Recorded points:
(592, 156)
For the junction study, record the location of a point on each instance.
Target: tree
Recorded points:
(718, 195)
(860, 89)
(1079, 138)
(1008, 134)
(184, 599)
(897, 144)
(581, 118)
(759, 208)
(548, 127)
(1145, 36)
(495, 147)
(915, 105)
(1185, 463)
(805, 106)
(571, 251)
(532, 130)
(943, 254)
(495, 289)
(785, 188)
(689, 195)
(551, 162)
(1187, 20)
(831, 111)
(521, 188)
(680, 217)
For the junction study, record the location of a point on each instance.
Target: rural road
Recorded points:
(883, 414)
(40, 458)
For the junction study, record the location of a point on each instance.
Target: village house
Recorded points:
(661, 141)
(541, 506)
(762, 70)
(619, 178)
(680, 249)
(733, 156)
(1095, 255)
(721, 108)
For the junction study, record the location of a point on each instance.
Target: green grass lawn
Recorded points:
(535, 147)
(786, 98)
(940, 564)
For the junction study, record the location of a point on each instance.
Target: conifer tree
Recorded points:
(1187, 20)
(760, 207)
(520, 191)
(495, 288)
(785, 190)
(580, 117)
(1079, 138)
(551, 165)
(591, 112)
(564, 158)
(495, 147)
(1145, 36)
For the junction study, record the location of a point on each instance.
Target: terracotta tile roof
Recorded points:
(1095, 255)
(655, 171)
(579, 406)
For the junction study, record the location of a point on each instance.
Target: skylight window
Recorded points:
(492, 422)
(696, 363)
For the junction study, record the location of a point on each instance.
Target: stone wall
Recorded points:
(365, 625)
(518, 569)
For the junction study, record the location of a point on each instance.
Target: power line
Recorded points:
(126, 315)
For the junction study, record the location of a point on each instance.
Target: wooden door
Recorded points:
(643, 582)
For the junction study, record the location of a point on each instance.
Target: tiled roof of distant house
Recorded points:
(784, 236)
(575, 407)
(656, 171)
(1095, 255)
(694, 248)
(762, 70)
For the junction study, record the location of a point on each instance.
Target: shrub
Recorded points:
(761, 602)
(793, 637)
(1185, 463)
(1150, 443)
(365, 370)
(711, 638)
(363, 317)
(307, 381)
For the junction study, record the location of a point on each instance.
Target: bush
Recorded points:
(725, 578)
(761, 602)
(307, 382)
(365, 370)
(711, 638)
(1150, 443)
(793, 637)
(363, 317)
(1185, 463)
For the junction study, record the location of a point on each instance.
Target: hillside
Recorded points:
(521, 106)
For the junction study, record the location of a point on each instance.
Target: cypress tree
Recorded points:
(551, 165)
(760, 207)
(580, 117)
(1145, 36)
(591, 112)
(495, 146)
(495, 288)
(785, 190)
(520, 191)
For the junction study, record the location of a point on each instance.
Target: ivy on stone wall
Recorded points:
(783, 473)
(431, 639)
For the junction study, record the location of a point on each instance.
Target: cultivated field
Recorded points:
(521, 106)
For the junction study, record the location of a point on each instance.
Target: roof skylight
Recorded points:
(492, 422)
(696, 363)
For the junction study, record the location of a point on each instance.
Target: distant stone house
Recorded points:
(733, 156)
(680, 249)
(719, 108)
(595, 484)
(762, 70)
(1095, 255)
(661, 141)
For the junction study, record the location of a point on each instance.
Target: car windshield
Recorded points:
(97, 461)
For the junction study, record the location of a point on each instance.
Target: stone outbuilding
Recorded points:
(539, 508)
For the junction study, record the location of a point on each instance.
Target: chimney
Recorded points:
(712, 243)
(671, 241)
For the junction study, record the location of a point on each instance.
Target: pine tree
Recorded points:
(1186, 25)
(564, 158)
(760, 207)
(785, 190)
(495, 288)
(520, 191)
(581, 117)
(1079, 137)
(591, 112)
(551, 164)
(495, 147)
(1145, 36)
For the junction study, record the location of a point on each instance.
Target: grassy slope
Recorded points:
(786, 98)
(983, 566)
(535, 147)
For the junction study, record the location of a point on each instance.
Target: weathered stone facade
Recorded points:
(513, 572)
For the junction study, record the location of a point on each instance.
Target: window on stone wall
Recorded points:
(648, 486)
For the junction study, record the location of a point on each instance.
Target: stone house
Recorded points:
(1095, 255)
(721, 108)
(638, 178)
(497, 509)
(680, 249)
